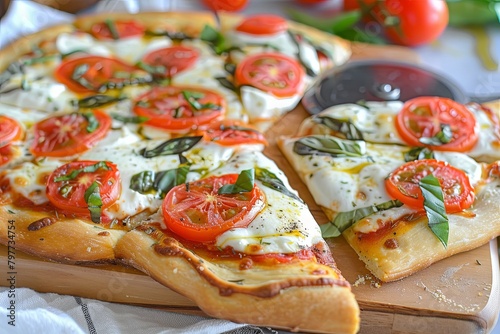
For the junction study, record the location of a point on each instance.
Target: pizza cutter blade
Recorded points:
(377, 80)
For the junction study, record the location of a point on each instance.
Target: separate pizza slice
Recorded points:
(244, 247)
(400, 208)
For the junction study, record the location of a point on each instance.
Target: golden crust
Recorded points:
(61, 240)
(25, 44)
(292, 297)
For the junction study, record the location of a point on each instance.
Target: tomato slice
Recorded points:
(227, 5)
(179, 108)
(94, 74)
(423, 117)
(10, 130)
(66, 135)
(111, 30)
(7, 152)
(263, 24)
(403, 184)
(173, 59)
(273, 73)
(196, 212)
(231, 132)
(69, 195)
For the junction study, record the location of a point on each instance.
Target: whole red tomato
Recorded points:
(412, 22)
(227, 5)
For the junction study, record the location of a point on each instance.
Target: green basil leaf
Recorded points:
(209, 34)
(166, 180)
(92, 197)
(192, 99)
(434, 207)
(224, 82)
(152, 69)
(98, 100)
(335, 147)
(344, 220)
(419, 153)
(88, 169)
(297, 39)
(142, 182)
(343, 126)
(112, 29)
(442, 137)
(93, 123)
(131, 119)
(270, 180)
(244, 183)
(172, 146)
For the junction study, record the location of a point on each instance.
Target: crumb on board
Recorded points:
(442, 298)
(363, 279)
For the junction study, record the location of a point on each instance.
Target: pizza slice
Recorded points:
(400, 208)
(244, 247)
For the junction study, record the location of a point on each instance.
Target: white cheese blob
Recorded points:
(260, 105)
(284, 225)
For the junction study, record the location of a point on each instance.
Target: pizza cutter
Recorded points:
(379, 80)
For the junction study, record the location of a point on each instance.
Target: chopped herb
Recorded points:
(98, 100)
(442, 137)
(87, 169)
(92, 197)
(244, 183)
(224, 82)
(344, 220)
(112, 29)
(161, 183)
(131, 119)
(434, 207)
(152, 69)
(93, 123)
(419, 153)
(172, 146)
(342, 126)
(270, 180)
(335, 147)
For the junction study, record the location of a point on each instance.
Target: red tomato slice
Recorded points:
(273, 73)
(403, 184)
(196, 212)
(179, 108)
(10, 130)
(66, 135)
(93, 73)
(174, 59)
(110, 30)
(263, 24)
(7, 152)
(230, 132)
(227, 5)
(69, 195)
(423, 116)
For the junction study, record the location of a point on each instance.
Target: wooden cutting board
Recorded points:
(458, 295)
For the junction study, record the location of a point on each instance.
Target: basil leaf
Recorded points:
(152, 69)
(419, 153)
(209, 34)
(344, 220)
(87, 169)
(342, 126)
(112, 29)
(335, 147)
(224, 82)
(244, 183)
(93, 123)
(434, 207)
(442, 137)
(131, 119)
(297, 39)
(92, 197)
(172, 146)
(192, 99)
(142, 182)
(98, 100)
(270, 180)
(166, 180)
(79, 71)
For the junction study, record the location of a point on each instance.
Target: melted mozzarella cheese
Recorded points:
(261, 106)
(79, 41)
(343, 184)
(27, 117)
(45, 94)
(284, 225)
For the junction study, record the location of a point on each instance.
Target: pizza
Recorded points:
(138, 140)
(406, 184)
